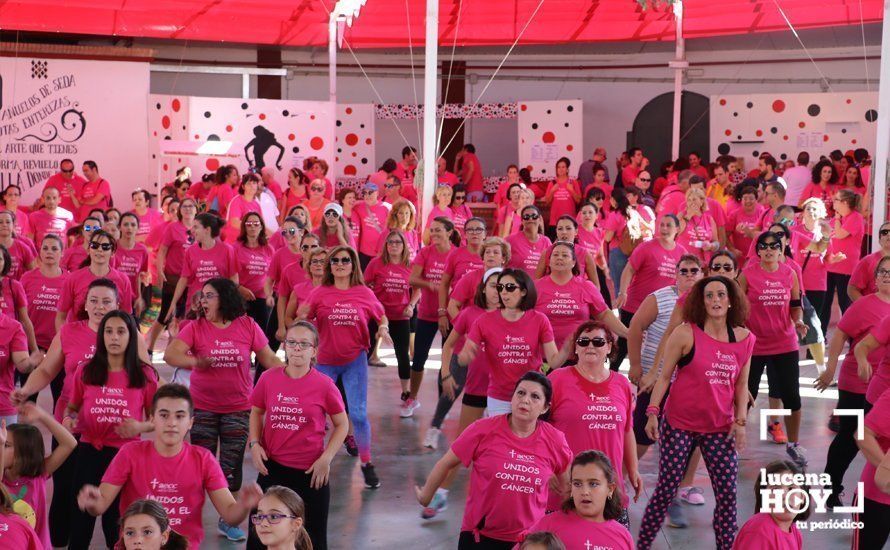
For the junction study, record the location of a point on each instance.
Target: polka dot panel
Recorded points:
(356, 140)
(549, 130)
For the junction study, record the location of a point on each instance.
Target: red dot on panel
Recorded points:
(778, 105)
(336, 159)
(523, 141)
(197, 136)
(311, 117)
(728, 132)
(354, 154)
(316, 143)
(570, 147)
(165, 168)
(523, 107)
(351, 139)
(349, 110)
(801, 124)
(758, 133)
(165, 122)
(291, 137)
(229, 128)
(262, 116)
(212, 164)
(853, 141)
(849, 101)
(530, 167)
(368, 141)
(722, 102)
(824, 137)
(548, 137)
(155, 133)
(176, 105)
(785, 138)
(349, 170)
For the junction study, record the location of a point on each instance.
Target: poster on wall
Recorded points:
(784, 124)
(355, 140)
(53, 109)
(548, 131)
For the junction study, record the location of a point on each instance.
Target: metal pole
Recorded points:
(430, 84)
(332, 97)
(679, 65)
(879, 170)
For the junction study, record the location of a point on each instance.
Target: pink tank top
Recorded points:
(769, 295)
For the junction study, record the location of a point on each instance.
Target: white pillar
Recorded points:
(679, 65)
(879, 169)
(332, 97)
(430, 85)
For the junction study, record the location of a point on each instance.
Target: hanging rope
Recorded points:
(797, 36)
(460, 8)
(413, 75)
(864, 51)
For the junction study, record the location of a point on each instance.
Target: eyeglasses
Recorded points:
(686, 271)
(317, 261)
(331, 214)
(773, 246)
(394, 242)
(252, 224)
(71, 171)
(884, 232)
(184, 206)
(528, 217)
(460, 197)
(722, 267)
(883, 273)
(596, 341)
(104, 246)
(307, 247)
(209, 295)
(292, 231)
(391, 185)
(345, 260)
(273, 519)
(474, 230)
(508, 287)
(317, 189)
(90, 228)
(302, 344)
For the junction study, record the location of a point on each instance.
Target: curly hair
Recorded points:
(231, 304)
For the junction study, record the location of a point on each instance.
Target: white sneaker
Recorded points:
(408, 407)
(431, 440)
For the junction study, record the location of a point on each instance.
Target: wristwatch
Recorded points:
(252, 443)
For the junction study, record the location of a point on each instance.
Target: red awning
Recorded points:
(384, 23)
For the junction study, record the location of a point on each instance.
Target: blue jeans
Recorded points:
(617, 261)
(476, 196)
(354, 376)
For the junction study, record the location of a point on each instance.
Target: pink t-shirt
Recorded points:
(615, 223)
(156, 234)
(177, 239)
(525, 254)
(748, 220)
(253, 266)
(508, 481)
(851, 245)
(447, 178)
(862, 315)
(101, 409)
(16, 533)
(131, 263)
(761, 532)
(880, 379)
(31, 490)
(178, 482)
(863, 276)
(77, 283)
(410, 237)
(390, 284)
(78, 342)
(282, 258)
(291, 276)
(58, 181)
(302, 291)
(568, 305)
(432, 263)
(563, 203)
(12, 339)
(225, 386)
(465, 289)
(592, 240)
(219, 198)
(513, 347)
(593, 416)
(439, 212)
(42, 222)
(702, 397)
(342, 319)
(671, 201)
(237, 208)
(769, 298)
(815, 274)
(200, 265)
(21, 255)
(474, 180)
(89, 190)
(12, 297)
(461, 261)
(73, 257)
(878, 421)
(654, 267)
(372, 222)
(44, 295)
(296, 411)
(578, 533)
(148, 221)
(461, 213)
(477, 371)
(698, 228)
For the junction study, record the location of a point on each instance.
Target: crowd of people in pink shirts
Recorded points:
(704, 277)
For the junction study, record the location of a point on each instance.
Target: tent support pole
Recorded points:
(430, 82)
(332, 94)
(879, 170)
(679, 64)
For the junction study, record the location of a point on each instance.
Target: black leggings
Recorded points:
(782, 374)
(63, 500)
(90, 464)
(467, 541)
(459, 374)
(876, 526)
(843, 448)
(317, 503)
(423, 341)
(604, 286)
(400, 332)
(837, 284)
(817, 299)
(615, 364)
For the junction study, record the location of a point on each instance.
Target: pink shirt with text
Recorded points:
(16, 533)
(148, 221)
(769, 298)
(12, 340)
(131, 263)
(177, 239)
(525, 254)
(477, 370)
(862, 315)
(342, 319)
(22, 255)
(200, 265)
(372, 222)
(461, 261)
(761, 532)
(43, 222)
(563, 203)
(654, 267)
(432, 263)
(253, 266)
(815, 275)
(850, 246)
(880, 379)
(577, 532)
(60, 183)
(878, 421)
(568, 305)
(44, 294)
(90, 190)
(77, 284)
(12, 297)
(78, 342)
(390, 284)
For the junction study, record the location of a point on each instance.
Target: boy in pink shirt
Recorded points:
(171, 471)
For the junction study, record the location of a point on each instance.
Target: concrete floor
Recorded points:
(389, 517)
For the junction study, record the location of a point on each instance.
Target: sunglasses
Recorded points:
(286, 232)
(391, 186)
(344, 260)
(302, 344)
(104, 246)
(508, 287)
(722, 267)
(528, 217)
(646, 179)
(884, 232)
(460, 197)
(89, 228)
(331, 214)
(773, 246)
(273, 519)
(689, 271)
(306, 247)
(597, 341)
(252, 224)
(68, 171)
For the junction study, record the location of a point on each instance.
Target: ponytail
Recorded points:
(303, 541)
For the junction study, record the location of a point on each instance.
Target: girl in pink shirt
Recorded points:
(208, 258)
(26, 469)
(567, 232)
(461, 261)
(563, 195)
(111, 397)
(145, 522)
(334, 231)
(698, 229)
(102, 247)
(342, 308)
(460, 208)
(284, 257)
(527, 246)
(296, 192)
(707, 405)
(427, 270)
(253, 255)
(508, 220)
(22, 254)
(514, 456)
(822, 185)
(43, 287)
(148, 217)
(388, 275)
(862, 279)
(299, 292)
(774, 530)
(848, 228)
(495, 252)
(132, 259)
(226, 180)
(245, 201)
(221, 344)
(591, 515)
(75, 255)
(441, 209)
(402, 216)
(287, 445)
(371, 217)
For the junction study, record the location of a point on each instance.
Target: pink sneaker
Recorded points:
(692, 495)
